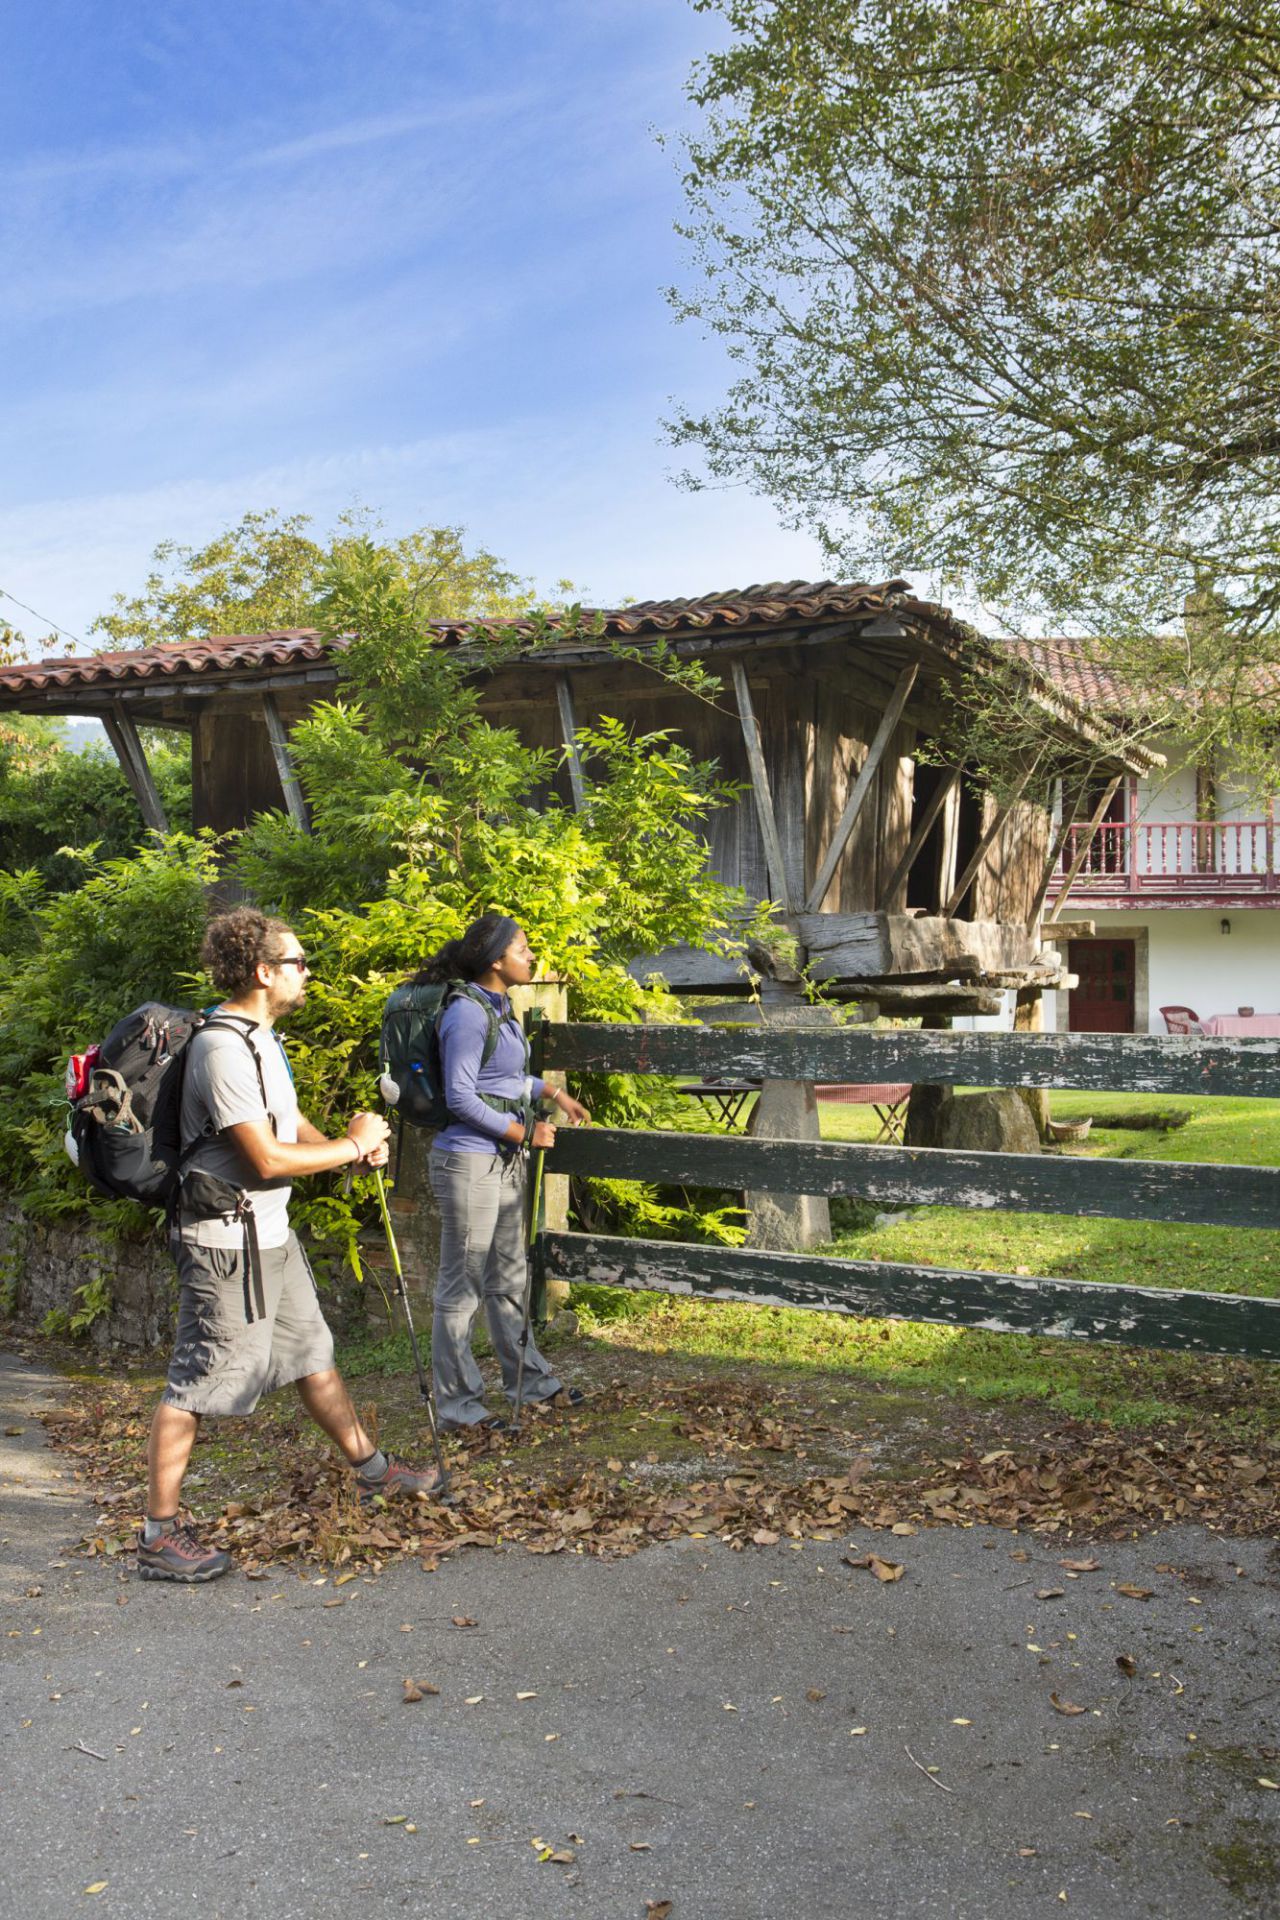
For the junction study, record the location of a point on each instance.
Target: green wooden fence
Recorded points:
(998, 1302)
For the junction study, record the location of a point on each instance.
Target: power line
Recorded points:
(43, 618)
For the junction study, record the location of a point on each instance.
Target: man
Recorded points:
(248, 1316)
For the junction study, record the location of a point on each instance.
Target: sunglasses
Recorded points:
(298, 960)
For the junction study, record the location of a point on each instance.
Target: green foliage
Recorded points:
(55, 801)
(130, 932)
(1000, 285)
(269, 571)
(90, 1302)
(423, 816)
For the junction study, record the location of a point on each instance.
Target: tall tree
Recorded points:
(1001, 278)
(268, 571)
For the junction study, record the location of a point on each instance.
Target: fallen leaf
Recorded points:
(343, 1578)
(613, 1466)
(1081, 1566)
(641, 1846)
(657, 1909)
(1064, 1706)
(1136, 1593)
(886, 1570)
(530, 1694)
(463, 1620)
(903, 1527)
(562, 1857)
(96, 1886)
(333, 1603)
(411, 1692)
(473, 1699)
(235, 1683)
(395, 1819)
(1126, 1664)
(11, 1433)
(1049, 1593)
(962, 1723)
(1273, 1786)
(765, 1537)
(815, 1694)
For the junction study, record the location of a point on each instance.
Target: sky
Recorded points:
(353, 252)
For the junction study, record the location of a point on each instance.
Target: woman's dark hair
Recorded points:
(484, 942)
(236, 944)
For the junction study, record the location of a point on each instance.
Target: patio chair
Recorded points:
(1183, 1020)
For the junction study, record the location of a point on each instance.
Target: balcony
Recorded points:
(1187, 863)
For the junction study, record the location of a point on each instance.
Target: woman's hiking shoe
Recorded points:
(178, 1555)
(399, 1482)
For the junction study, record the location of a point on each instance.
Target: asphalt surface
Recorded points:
(744, 1735)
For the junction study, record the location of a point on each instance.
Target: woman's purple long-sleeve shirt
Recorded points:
(474, 1127)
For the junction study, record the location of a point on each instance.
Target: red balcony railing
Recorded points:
(1195, 860)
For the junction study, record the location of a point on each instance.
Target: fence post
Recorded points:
(548, 997)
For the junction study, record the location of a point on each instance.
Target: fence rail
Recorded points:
(1131, 1063)
(1057, 1308)
(1172, 857)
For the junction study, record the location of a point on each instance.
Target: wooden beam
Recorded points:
(1082, 851)
(1051, 864)
(123, 736)
(940, 797)
(569, 729)
(1224, 1196)
(760, 788)
(1093, 1062)
(295, 805)
(998, 819)
(1228, 1323)
(862, 785)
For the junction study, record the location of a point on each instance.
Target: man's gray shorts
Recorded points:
(224, 1361)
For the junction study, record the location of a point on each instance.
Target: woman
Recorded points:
(478, 1170)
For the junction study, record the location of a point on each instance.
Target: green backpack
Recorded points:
(412, 1076)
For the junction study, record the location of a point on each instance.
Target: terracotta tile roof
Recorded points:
(780, 604)
(1079, 668)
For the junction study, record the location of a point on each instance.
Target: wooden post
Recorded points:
(998, 819)
(1051, 864)
(941, 795)
(862, 786)
(1082, 851)
(760, 788)
(569, 728)
(295, 805)
(123, 736)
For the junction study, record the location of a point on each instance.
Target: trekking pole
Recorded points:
(539, 1155)
(423, 1385)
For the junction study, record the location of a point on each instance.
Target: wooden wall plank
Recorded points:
(930, 1176)
(995, 1302)
(1133, 1063)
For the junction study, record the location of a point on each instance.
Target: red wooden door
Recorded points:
(1104, 1000)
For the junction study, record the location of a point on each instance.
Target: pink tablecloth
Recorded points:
(857, 1094)
(1257, 1025)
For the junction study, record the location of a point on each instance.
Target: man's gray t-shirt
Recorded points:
(221, 1089)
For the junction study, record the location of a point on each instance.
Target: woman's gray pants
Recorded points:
(482, 1261)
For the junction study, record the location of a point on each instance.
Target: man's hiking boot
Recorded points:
(399, 1482)
(178, 1555)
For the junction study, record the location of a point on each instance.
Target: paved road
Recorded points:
(255, 1744)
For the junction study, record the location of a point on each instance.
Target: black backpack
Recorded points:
(126, 1103)
(412, 1077)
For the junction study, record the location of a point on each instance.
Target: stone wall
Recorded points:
(42, 1265)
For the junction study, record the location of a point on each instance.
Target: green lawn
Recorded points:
(1127, 1385)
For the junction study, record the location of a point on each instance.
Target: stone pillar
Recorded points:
(1028, 1017)
(787, 1110)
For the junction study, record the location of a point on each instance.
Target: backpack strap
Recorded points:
(229, 1023)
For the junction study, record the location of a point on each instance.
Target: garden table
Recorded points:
(888, 1100)
(1239, 1025)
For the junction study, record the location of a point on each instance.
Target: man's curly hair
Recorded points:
(235, 944)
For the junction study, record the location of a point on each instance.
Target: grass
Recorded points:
(1123, 1385)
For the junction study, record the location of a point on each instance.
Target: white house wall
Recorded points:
(1192, 963)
